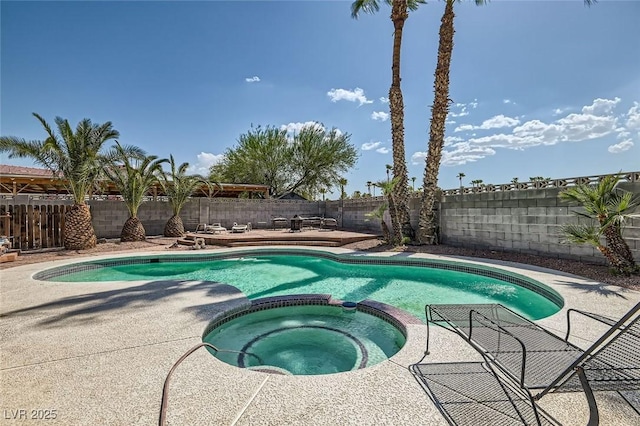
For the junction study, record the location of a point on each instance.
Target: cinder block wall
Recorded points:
(527, 221)
(109, 215)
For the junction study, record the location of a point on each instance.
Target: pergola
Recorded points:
(15, 180)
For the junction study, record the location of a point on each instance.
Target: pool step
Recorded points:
(186, 241)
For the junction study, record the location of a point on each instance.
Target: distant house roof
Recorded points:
(31, 180)
(291, 196)
(8, 170)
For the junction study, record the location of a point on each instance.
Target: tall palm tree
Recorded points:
(428, 220)
(342, 182)
(427, 223)
(389, 168)
(179, 186)
(460, 176)
(75, 157)
(369, 183)
(399, 14)
(133, 176)
(607, 207)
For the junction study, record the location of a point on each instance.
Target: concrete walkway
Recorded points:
(98, 354)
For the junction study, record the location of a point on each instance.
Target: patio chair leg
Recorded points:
(594, 417)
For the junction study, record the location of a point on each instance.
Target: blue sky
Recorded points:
(538, 88)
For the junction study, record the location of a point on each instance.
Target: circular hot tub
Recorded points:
(307, 337)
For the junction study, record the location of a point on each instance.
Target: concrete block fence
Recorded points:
(526, 221)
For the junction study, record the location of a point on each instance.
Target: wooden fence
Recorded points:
(33, 226)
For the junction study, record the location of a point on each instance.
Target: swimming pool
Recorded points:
(408, 284)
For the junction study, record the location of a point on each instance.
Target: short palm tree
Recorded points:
(74, 156)
(399, 14)
(378, 214)
(179, 186)
(387, 187)
(607, 207)
(133, 175)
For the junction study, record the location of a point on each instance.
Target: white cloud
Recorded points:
(559, 111)
(204, 163)
(459, 153)
(463, 109)
(464, 128)
(449, 140)
(292, 128)
(496, 122)
(356, 95)
(508, 101)
(253, 79)
(620, 147)
(383, 150)
(379, 115)
(595, 121)
(384, 100)
(601, 106)
(633, 117)
(368, 146)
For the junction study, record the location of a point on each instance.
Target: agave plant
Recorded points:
(607, 208)
(179, 186)
(75, 156)
(133, 173)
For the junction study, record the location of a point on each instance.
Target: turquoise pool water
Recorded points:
(306, 340)
(406, 287)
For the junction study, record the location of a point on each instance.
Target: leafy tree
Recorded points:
(314, 158)
(399, 14)
(133, 175)
(75, 156)
(514, 180)
(608, 208)
(428, 223)
(179, 187)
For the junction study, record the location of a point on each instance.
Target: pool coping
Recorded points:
(47, 376)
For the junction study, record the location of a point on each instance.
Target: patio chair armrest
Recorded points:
(600, 318)
(492, 340)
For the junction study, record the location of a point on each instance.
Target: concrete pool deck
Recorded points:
(99, 354)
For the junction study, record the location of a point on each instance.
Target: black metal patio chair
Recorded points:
(522, 355)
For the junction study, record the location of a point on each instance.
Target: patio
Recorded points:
(99, 354)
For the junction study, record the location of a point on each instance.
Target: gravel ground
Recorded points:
(595, 272)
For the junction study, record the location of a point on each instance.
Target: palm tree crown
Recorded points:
(72, 155)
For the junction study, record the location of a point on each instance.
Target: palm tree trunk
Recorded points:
(174, 227)
(385, 231)
(619, 249)
(427, 231)
(395, 236)
(396, 108)
(78, 229)
(132, 230)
